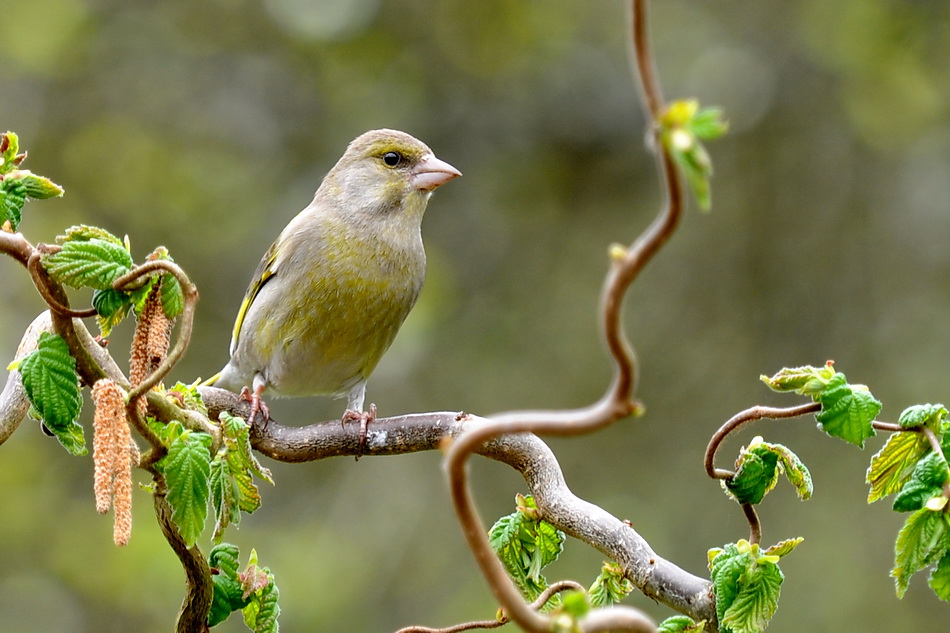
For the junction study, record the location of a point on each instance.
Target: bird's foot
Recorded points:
(257, 406)
(364, 418)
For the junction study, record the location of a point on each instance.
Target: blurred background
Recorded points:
(205, 126)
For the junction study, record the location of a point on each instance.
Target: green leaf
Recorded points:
(758, 469)
(187, 469)
(575, 605)
(12, 199)
(756, 600)
(940, 578)
(784, 548)
(224, 496)
(756, 475)
(262, 610)
(93, 263)
(610, 586)
(112, 306)
(805, 380)
(232, 471)
(727, 566)
(922, 541)
(708, 124)
(85, 233)
(37, 187)
(681, 624)
(526, 544)
(682, 126)
(9, 148)
(173, 300)
(795, 471)
(892, 466)
(227, 598)
(52, 386)
(188, 396)
(747, 583)
(237, 436)
(926, 482)
(930, 415)
(847, 411)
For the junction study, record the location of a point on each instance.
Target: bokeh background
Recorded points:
(205, 126)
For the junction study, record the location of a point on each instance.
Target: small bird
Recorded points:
(330, 294)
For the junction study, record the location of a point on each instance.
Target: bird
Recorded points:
(332, 291)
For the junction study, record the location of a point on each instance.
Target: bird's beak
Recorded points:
(431, 172)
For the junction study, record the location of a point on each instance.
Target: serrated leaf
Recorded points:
(36, 187)
(923, 415)
(93, 263)
(926, 482)
(12, 199)
(239, 433)
(111, 307)
(727, 566)
(756, 474)
(940, 578)
(139, 296)
(187, 395)
(173, 300)
(795, 471)
(681, 624)
(263, 610)
(84, 233)
(922, 541)
(187, 469)
(610, 586)
(227, 598)
(755, 601)
(224, 557)
(847, 411)
(784, 548)
(224, 495)
(525, 546)
(892, 466)
(805, 380)
(52, 386)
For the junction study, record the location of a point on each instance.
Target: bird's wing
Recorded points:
(266, 270)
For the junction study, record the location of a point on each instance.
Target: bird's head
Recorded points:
(387, 171)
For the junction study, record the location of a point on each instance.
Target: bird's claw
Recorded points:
(257, 406)
(364, 418)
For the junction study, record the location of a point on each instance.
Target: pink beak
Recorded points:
(432, 172)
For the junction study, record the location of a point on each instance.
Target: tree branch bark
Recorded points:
(655, 576)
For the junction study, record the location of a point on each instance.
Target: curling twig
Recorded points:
(741, 419)
(190, 293)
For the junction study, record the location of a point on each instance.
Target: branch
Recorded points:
(193, 615)
(526, 453)
(741, 419)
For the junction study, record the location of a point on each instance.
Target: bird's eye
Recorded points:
(392, 158)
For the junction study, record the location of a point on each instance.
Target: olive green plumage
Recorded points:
(333, 290)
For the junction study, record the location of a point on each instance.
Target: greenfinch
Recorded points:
(330, 294)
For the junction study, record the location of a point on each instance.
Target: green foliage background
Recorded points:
(205, 126)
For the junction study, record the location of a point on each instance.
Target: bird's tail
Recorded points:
(210, 381)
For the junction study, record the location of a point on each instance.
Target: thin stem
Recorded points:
(755, 526)
(741, 419)
(643, 56)
(888, 426)
(33, 265)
